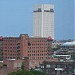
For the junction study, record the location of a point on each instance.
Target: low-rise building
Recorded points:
(58, 67)
(66, 51)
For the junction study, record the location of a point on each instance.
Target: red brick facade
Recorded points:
(1, 48)
(37, 49)
(10, 47)
(11, 65)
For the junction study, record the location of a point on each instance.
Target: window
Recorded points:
(10, 47)
(10, 40)
(10, 50)
(42, 50)
(42, 54)
(10, 57)
(51, 10)
(28, 54)
(39, 10)
(38, 54)
(48, 66)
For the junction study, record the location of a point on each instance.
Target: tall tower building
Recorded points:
(44, 20)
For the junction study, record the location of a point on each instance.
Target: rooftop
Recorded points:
(69, 43)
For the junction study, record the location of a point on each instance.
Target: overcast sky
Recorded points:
(16, 17)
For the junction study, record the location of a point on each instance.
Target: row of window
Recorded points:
(11, 40)
(59, 66)
(10, 51)
(40, 44)
(39, 47)
(38, 51)
(59, 72)
(28, 47)
(10, 47)
(37, 54)
(38, 58)
(30, 44)
(8, 57)
(10, 44)
(39, 41)
(10, 54)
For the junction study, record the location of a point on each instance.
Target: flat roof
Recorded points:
(69, 43)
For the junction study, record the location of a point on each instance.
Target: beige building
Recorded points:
(44, 20)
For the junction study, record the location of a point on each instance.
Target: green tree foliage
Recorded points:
(23, 65)
(73, 56)
(21, 72)
(55, 49)
(13, 73)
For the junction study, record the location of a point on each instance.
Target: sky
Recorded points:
(16, 17)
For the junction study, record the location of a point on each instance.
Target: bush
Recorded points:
(31, 72)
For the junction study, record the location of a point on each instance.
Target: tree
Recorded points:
(31, 72)
(13, 73)
(73, 56)
(23, 65)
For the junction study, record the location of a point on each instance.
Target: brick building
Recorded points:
(37, 49)
(11, 65)
(1, 48)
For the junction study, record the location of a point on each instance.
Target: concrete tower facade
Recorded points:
(44, 20)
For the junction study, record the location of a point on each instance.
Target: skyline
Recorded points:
(16, 17)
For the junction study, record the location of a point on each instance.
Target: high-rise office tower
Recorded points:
(44, 20)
